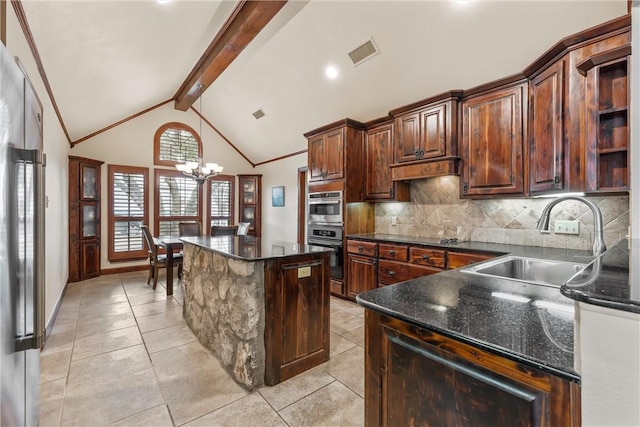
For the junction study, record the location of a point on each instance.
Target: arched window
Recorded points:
(176, 143)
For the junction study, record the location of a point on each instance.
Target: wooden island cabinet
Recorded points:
(414, 376)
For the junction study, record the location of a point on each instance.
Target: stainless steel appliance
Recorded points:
(21, 245)
(329, 237)
(325, 208)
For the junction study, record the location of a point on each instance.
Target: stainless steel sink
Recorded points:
(530, 270)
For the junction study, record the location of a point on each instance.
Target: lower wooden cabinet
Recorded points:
(417, 377)
(390, 272)
(90, 258)
(362, 274)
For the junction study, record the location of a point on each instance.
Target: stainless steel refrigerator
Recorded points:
(21, 244)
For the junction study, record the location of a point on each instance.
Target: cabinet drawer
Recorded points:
(362, 248)
(460, 259)
(390, 272)
(336, 287)
(429, 257)
(396, 252)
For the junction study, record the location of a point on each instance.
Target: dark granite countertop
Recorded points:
(249, 248)
(606, 281)
(531, 324)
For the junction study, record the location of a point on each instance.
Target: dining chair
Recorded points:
(243, 228)
(156, 260)
(189, 228)
(224, 230)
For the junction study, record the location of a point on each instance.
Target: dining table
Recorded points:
(170, 243)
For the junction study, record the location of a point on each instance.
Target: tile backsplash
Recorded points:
(436, 210)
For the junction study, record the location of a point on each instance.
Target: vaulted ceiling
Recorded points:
(108, 60)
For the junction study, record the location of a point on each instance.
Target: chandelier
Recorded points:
(199, 171)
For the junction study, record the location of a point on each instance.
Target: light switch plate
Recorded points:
(567, 227)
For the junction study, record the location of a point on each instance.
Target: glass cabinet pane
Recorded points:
(89, 182)
(89, 220)
(249, 215)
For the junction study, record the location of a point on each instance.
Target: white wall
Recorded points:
(131, 144)
(56, 147)
(281, 223)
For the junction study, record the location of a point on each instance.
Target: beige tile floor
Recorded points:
(121, 354)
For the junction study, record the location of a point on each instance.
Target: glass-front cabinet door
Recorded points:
(249, 200)
(89, 182)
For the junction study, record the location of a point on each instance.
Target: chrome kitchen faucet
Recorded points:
(598, 239)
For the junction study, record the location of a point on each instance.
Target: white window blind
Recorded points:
(178, 201)
(128, 212)
(221, 201)
(178, 145)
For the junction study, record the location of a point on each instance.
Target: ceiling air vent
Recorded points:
(258, 114)
(363, 52)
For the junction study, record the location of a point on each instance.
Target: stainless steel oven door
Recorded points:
(325, 208)
(337, 256)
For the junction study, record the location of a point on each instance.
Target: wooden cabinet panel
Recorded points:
(334, 154)
(379, 155)
(316, 158)
(433, 140)
(395, 252)
(461, 259)
(90, 258)
(407, 129)
(303, 301)
(336, 287)
(428, 257)
(546, 151)
(362, 274)
(492, 142)
(418, 377)
(362, 248)
(390, 272)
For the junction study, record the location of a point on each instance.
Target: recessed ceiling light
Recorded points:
(163, 1)
(331, 71)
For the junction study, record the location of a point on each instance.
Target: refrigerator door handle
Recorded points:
(32, 337)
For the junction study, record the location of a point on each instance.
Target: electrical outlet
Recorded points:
(567, 227)
(394, 220)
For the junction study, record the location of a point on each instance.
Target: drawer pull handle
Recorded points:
(426, 257)
(392, 253)
(360, 248)
(392, 273)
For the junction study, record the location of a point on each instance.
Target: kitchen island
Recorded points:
(261, 307)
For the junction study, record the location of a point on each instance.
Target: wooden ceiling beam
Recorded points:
(246, 21)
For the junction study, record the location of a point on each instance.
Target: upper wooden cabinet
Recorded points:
(336, 159)
(607, 97)
(378, 152)
(326, 156)
(493, 132)
(426, 142)
(546, 127)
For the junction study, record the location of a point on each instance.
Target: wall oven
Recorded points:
(325, 208)
(329, 237)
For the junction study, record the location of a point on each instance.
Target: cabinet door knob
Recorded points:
(416, 153)
(422, 152)
(392, 273)
(360, 249)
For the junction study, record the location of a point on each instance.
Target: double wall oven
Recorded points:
(325, 226)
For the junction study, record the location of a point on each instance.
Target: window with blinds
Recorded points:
(176, 143)
(128, 211)
(221, 200)
(177, 200)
